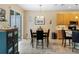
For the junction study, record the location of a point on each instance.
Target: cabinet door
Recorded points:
(59, 34)
(66, 18)
(10, 42)
(60, 19)
(3, 43)
(15, 41)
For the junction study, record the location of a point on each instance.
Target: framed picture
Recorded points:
(39, 20)
(2, 14)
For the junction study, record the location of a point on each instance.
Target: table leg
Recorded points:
(62, 41)
(69, 42)
(47, 42)
(65, 43)
(32, 43)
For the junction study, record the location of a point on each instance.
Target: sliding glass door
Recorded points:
(18, 24)
(12, 18)
(16, 21)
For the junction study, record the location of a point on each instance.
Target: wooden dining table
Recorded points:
(45, 36)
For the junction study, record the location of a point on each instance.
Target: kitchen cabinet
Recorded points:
(59, 34)
(8, 41)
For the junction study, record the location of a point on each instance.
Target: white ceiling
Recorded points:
(50, 6)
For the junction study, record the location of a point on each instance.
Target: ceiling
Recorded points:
(49, 6)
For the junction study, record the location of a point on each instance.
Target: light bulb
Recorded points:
(76, 17)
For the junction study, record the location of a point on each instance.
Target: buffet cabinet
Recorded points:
(9, 41)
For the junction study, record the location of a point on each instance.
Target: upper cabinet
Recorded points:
(59, 19)
(65, 18)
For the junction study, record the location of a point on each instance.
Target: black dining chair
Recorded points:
(39, 37)
(75, 39)
(65, 38)
(46, 37)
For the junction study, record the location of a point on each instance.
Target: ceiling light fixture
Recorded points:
(40, 17)
(76, 17)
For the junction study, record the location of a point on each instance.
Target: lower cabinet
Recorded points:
(9, 41)
(59, 34)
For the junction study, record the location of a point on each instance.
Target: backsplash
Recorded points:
(4, 25)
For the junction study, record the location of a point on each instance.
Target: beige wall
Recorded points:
(15, 7)
(30, 21)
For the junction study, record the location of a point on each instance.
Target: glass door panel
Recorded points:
(12, 18)
(18, 24)
(15, 21)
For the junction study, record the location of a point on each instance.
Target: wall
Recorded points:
(15, 7)
(30, 21)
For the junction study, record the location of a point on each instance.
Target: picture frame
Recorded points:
(2, 14)
(39, 20)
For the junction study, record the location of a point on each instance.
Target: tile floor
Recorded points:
(55, 47)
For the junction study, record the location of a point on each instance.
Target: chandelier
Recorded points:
(40, 19)
(40, 16)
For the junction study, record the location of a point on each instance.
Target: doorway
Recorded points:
(16, 21)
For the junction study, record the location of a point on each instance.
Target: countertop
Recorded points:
(65, 27)
(7, 29)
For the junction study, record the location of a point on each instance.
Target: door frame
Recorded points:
(21, 18)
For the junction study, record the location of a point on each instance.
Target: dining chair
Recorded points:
(75, 39)
(39, 37)
(46, 37)
(65, 38)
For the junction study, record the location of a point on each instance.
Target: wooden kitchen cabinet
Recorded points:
(65, 18)
(59, 34)
(59, 19)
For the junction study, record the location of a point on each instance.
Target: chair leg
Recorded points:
(47, 42)
(42, 44)
(65, 43)
(69, 42)
(37, 44)
(32, 43)
(62, 42)
(73, 46)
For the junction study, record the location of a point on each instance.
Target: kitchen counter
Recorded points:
(7, 29)
(65, 27)
(60, 27)
(8, 40)
(59, 32)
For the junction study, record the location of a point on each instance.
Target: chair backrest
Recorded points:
(31, 33)
(39, 35)
(75, 36)
(48, 32)
(63, 34)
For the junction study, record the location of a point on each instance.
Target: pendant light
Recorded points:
(40, 12)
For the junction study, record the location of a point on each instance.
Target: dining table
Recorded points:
(45, 36)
